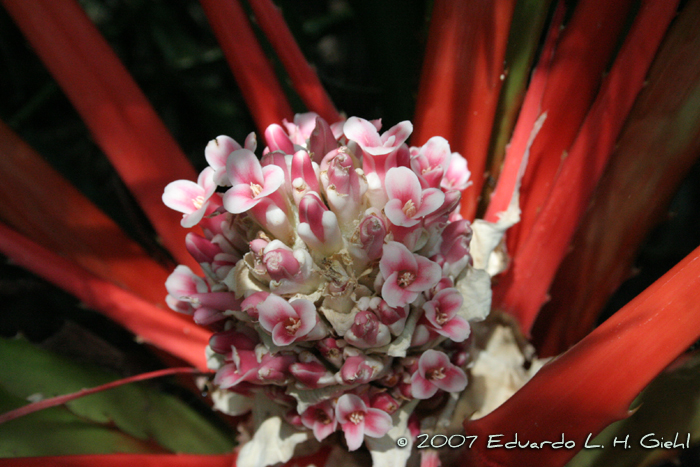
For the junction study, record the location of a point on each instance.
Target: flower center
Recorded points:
(357, 417)
(292, 325)
(440, 316)
(198, 201)
(406, 278)
(437, 373)
(322, 417)
(255, 188)
(409, 208)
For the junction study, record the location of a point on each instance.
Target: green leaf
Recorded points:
(670, 405)
(57, 431)
(134, 409)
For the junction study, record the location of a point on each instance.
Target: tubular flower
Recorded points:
(354, 326)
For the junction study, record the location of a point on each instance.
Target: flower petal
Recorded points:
(354, 434)
(377, 423)
(421, 388)
(396, 257)
(239, 199)
(180, 195)
(274, 310)
(402, 183)
(242, 167)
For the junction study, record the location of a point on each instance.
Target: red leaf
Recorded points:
(660, 142)
(586, 48)
(49, 210)
(253, 73)
(524, 288)
(511, 175)
(303, 77)
(112, 106)
(125, 460)
(162, 328)
(594, 383)
(461, 81)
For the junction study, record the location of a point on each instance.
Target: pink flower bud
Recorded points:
(342, 185)
(304, 177)
(393, 317)
(455, 246)
(370, 235)
(383, 401)
(278, 140)
(321, 140)
(221, 342)
(310, 372)
(280, 262)
(330, 351)
(357, 370)
(367, 331)
(318, 226)
(250, 304)
(201, 249)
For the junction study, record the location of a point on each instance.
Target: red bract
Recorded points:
(564, 113)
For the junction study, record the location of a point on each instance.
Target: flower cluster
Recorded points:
(335, 271)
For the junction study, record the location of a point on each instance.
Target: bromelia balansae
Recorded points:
(355, 298)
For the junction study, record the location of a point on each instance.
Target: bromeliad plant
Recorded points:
(339, 274)
(341, 218)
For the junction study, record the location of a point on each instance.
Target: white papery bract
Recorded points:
(334, 273)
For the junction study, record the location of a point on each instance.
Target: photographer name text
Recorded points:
(499, 441)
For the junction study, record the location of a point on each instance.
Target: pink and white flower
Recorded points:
(250, 182)
(190, 198)
(408, 202)
(218, 150)
(365, 134)
(441, 312)
(287, 321)
(358, 421)
(320, 418)
(405, 274)
(431, 161)
(457, 174)
(435, 371)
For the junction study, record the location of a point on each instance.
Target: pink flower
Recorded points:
(365, 134)
(406, 275)
(436, 372)
(190, 198)
(287, 321)
(441, 312)
(250, 182)
(358, 421)
(431, 161)
(408, 202)
(321, 419)
(457, 174)
(301, 128)
(218, 150)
